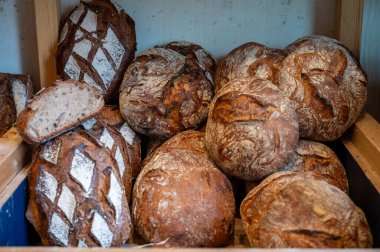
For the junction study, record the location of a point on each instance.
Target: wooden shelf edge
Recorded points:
(13, 185)
(364, 146)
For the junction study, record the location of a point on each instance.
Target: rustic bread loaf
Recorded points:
(15, 90)
(249, 60)
(76, 194)
(97, 43)
(181, 197)
(166, 90)
(113, 140)
(327, 85)
(57, 109)
(252, 129)
(290, 209)
(110, 115)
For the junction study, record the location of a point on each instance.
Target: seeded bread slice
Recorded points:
(58, 109)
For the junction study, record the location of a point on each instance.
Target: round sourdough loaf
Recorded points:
(110, 115)
(97, 42)
(167, 89)
(181, 197)
(303, 210)
(76, 194)
(327, 84)
(252, 129)
(249, 60)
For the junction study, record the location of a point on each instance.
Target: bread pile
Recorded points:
(254, 119)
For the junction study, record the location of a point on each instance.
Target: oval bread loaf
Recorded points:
(76, 194)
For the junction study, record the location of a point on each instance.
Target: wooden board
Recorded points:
(14, 153)
(47, 23)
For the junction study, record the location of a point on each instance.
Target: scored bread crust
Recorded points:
(252, 129)
(97, 43)
(181, 196)
(249, 60)
(110, 115)
(76, 195)
(304, 210)
(166, 90)
(327, 84)
(30, 133)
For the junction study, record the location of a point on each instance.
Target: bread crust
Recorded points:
(319, 216)
(181, 196)
(166, 90)
(252, 129)
(76, 195)
(249, 60)
(327, 85)
(97, 43)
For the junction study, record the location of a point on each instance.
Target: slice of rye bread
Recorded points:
(58, 109)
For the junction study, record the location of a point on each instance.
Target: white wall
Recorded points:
(18, 47)
(221, 25)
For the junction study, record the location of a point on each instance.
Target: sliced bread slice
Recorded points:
(58, 109)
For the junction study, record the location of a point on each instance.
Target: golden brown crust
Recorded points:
(74, 184)
(252, 129)
(166, 91)
(249, 60)
(181, 196)
(303, 210)
(326, 83)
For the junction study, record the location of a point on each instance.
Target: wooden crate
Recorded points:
(359, 149)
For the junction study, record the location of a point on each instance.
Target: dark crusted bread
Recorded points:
(303, 210)
(181, 197)
(76, 194)
(97, 43)
(252, 129)
(249, 60)
(57, 109)
(15, 90)
(326, 83)
(167, 89)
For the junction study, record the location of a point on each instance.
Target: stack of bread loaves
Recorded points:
(210, 127)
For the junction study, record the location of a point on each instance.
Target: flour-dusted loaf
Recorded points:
(252, 129)
(290, 209)
(110, 115)
(77, 195)
(181, 197)
(97, 42)
(57, 109)
(327, 84)
(15, 90)
(249, 60)
(167, 89)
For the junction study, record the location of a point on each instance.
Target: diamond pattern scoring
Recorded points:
(67, 202)
(103, 67)
(82, 169)
(59, 229)
(120, 161)
(127, 133)
(51, 150)
(83, 48)
(90, 81)
(72, 69)
(106, 139)
(47, 184)
(101, 231)
(114, 47)
(89, 22)
(115, 196)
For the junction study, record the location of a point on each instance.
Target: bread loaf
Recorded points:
(110, 115)
(166, 90)
(249, 60)
(15, 90)
(327, 84)
(181, 197)
(76, 194)
(57, 109)
(303, 210)
(252, 129)
(97, 43)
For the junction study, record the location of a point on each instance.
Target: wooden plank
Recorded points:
(350, 25)
(8, 191)
(364, 146)
(47, 22)
(370, 54)
(14, 153)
